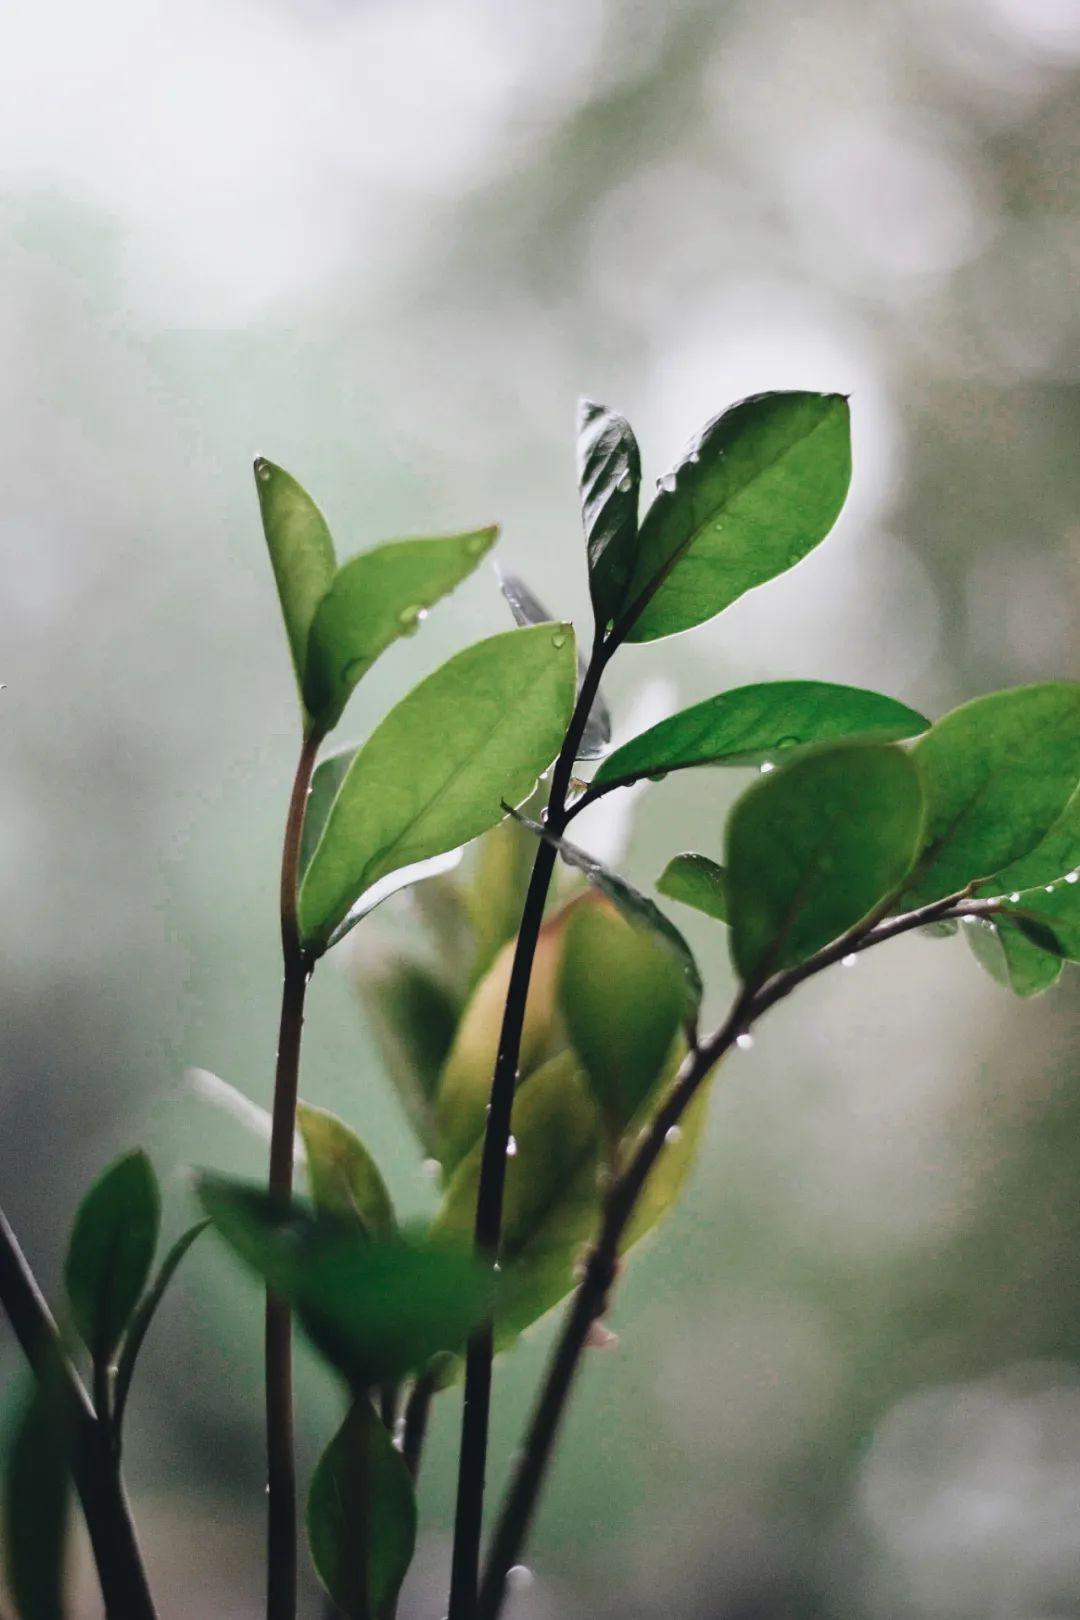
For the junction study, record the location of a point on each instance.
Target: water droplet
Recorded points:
(658, 776)
(1014, 897)
(1049, 888)
(744, 1041)
(969, 920)
(519, 1577)
(399, 1431)
(719, 527)
(431, 1168)
(497, 1268)
(411, 618)
(694, 457)
(262, 471)
(666, 484)
(511, 1147)
(626, 484)
(849, 960)
(476, 543)
(559, 639)
(673, 1134)
(787, 742)
(1072, 877)
(767, 767)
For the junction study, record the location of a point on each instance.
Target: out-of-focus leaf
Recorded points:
(528, 609)
(361, 1516)
(998, 772)
(434, 774)
(635, 907)
(377, 1308)
(682, 1145)
(111, 1251)
(811, 849)
(755, 724)
(301, 553)
(413, 1018)
(622, 996)
(465, 1086)
(696, 881)
(343, 1177)
(759, 487)
(144, 1315)
(1014, 961)
(496, 894)
(609, 477)
(37, 1504)
(372, 600)
(550, 1202)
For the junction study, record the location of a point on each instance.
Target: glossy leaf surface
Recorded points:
(759, 488)
(609, 477)
(434, 774)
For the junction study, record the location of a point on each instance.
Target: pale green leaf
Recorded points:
(696, 881)
(343, 1177)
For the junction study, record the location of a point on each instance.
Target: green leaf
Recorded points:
(528, 609)
(413, 1018)
(372, 600)
(37, 1504)
(756, 724)
(144, 1315)
(1013, 960)
(496, 895)
(669, 1175)
(550, 1201)
(812, 849)
(343, 1177)
(111, 1251)
(301, 553)
(377, 1308)
(435, 772)
(697, 882)
(635, 907)
(1056, 856)
(609, 476)
(1050, 917)
(998, 773)
(757, 489)
(361, 1517)
(414, 875)
(326, 781)
(622, 996)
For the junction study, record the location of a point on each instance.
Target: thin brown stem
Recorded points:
(591, 1298)
(280, 1445)
(417, 1411)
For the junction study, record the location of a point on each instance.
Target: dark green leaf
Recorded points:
(144, 1315)
(374, 599)
(1001, 948)
(621, 993)
(377, 1308)
(998, 773)
(435, 772)
(1050, 916)
(760, 723)
(412, 1017)
(111, 1251)
(609, 476)
(37, 1499)
(635, 907)
(697, 882)
(813, 848)
(301, 553)
(361, 1517)
(528, 609)
(326, 783)
(343, 1177)
(551, 1200)
(757, 489)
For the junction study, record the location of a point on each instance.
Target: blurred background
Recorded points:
(388, 244)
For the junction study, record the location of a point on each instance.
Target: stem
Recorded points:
(417, 1410)
(476, 1409)
(94, 1464)
(280, 1458)
(591, 1299)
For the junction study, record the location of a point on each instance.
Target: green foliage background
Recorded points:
(388, 250)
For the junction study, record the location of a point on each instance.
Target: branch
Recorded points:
(591, 1299)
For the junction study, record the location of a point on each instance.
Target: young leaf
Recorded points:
(635, 907)
(301, 553)
(37, 1504)
(377, 1308)
(111, 1251)
(371, 601)
(1001, 948)
(622, 996)
(998, 773)
(144, 1315)
(434, 773)
(609, 476)
(757, 489)
(755, 724)
(412, 1017)
(811, 849)
(405, 877)
(528, 609)
(326, 781)
(343, 1177)
(550, 1202)
(697, 882)
(465, 1085)
(361, 1517)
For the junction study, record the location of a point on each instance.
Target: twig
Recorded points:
(417, 1410)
